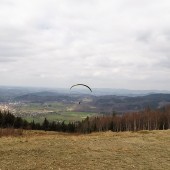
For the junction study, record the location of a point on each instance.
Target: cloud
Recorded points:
(119, 44)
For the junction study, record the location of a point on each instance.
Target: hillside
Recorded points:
(104, 104)
(50, 150)
(128, 104)
(33, 101)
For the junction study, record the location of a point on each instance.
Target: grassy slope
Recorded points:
(126, 150)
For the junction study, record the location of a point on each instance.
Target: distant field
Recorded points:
(61, 116)
(53, 111)
(49, 150)
(41, 108)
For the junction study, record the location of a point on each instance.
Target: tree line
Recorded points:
(135, 121)
(8, 120)
(144, 120)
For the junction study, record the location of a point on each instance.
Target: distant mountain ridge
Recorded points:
(127, 92)
(5, 90)
(100, 100)
(107, 103)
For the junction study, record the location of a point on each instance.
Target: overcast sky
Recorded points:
(108, 44)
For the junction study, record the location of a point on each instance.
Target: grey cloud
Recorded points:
(94, 41)
(144, 36)
(164, 63)
(7, 59)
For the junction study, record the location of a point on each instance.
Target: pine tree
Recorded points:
(45, 124)
(18, 122)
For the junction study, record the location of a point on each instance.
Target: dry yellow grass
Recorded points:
(50, 150)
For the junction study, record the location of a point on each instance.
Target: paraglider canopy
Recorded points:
(81, 85)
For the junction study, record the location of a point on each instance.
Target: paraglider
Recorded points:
(81, 85)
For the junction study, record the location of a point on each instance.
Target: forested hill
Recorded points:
(92, 102)
(106, 103)
(42, 97)
(124, 103)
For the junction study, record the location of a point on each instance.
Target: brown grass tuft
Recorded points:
(10, 132)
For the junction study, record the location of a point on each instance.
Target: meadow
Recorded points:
(61, 116)
(53, 111)
(105, 150)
